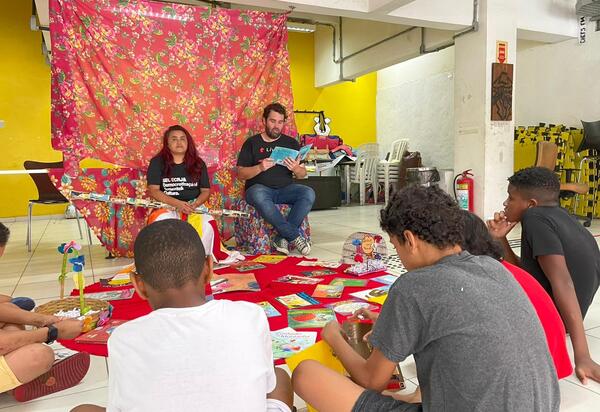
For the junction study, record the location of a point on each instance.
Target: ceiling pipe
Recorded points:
(473, 28)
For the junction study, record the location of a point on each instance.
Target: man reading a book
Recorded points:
(189, 354)
(269, 184)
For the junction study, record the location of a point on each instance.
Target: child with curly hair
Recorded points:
(475, 337)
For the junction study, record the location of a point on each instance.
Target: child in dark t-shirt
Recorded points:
(556, 250)
(470, 327)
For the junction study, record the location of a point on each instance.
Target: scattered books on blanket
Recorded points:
(375, 295)
(234, 282)
(348, 307)
(288, 342)
(309, 318)
(297, 300)
(298, 280)
(269, 259)
(318, 273)
(279, 154)
(323, 263)
(353, 283)
(386, 279)
(121, 278)
(328, 291)
(112, 295)
(269, 309)
(101, 334)
(248, 266)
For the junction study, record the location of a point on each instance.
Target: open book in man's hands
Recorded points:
(279, 153)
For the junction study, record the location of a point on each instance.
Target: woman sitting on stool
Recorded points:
(178, 177)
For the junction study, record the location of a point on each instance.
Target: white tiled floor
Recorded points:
(34, 275)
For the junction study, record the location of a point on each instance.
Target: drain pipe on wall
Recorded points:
(474, 27)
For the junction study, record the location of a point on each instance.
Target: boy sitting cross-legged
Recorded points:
(188, 354)
(475, 337)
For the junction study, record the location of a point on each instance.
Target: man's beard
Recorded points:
(272, 134)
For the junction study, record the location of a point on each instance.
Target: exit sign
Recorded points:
(501, 51)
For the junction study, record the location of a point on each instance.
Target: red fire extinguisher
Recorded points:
(463, 190)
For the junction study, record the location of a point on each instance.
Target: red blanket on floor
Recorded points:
(135, 307)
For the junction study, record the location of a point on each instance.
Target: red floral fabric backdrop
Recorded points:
(125, 70)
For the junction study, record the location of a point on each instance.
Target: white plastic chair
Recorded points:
(364, 172)
(389, 170)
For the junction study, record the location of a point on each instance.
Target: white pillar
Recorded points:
(481, 144)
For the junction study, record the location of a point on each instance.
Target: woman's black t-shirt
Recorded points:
(179, 185)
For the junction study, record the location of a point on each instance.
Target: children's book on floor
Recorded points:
(297, 300)
(288, 342)
(309, 318)
(269, 309)
(234, 282)
(272, 259)
(328, 291)
(112, 295)
(351, 283)
(248, 266)
(385, 279)
(101, 334)
(323, 263)
(376, 295)
(318, 273)
(298, 280)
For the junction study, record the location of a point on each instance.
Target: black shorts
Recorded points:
(371, 401)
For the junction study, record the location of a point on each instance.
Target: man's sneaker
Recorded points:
(282, 246)
(302, 245)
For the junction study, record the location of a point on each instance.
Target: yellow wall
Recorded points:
(25, 105)
(349, 105)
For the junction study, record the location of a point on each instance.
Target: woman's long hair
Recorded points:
(193, 163)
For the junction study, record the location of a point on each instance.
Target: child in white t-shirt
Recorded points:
(188, 354)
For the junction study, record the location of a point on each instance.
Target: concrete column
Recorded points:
(481, 144)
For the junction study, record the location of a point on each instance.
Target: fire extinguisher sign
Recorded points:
(501, 51)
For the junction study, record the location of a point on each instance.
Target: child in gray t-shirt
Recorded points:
(476, 340)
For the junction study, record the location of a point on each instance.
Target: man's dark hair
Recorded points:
(477, 239)
(274, 107)
(537, 183)
(4, 235)
(168, 254)
(428, 212)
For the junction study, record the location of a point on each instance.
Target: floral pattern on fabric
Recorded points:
(124, 70)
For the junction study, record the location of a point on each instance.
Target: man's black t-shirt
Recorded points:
(256, 149)
(179, 185)
(552, 231)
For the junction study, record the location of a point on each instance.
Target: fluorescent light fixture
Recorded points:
(301, 27)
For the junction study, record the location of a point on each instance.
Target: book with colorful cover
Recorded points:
(297, 300)
(269, 259)
(298, 280)
(248, 266)
(288, 342)
(323, 263)
(348, 307)
(101, 334)
(123, 276)
(318, 273)
(386, 279)
(112, 295)
(279, 154)
(375, 295)
(352, 283)
(309, 318)
(234, 282)
(328, 291)
(269, 309)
